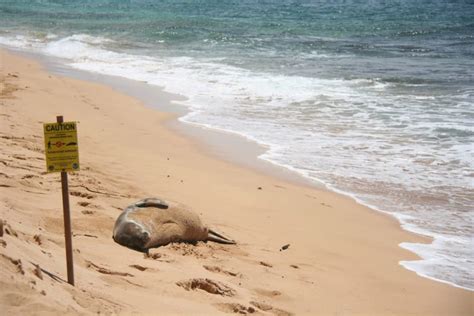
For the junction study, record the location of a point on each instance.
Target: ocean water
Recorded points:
(374, 99)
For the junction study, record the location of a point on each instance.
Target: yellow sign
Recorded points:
(61, 149)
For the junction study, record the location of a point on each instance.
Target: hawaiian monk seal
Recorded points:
(152, 223)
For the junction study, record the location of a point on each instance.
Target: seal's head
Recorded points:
(133, 236)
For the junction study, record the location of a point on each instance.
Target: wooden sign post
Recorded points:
(62, 155)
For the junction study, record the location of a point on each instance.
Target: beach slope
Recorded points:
(342, 257)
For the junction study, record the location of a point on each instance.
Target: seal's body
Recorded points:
(151, 223)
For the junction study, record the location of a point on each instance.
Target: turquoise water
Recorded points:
(271, 35)
(375, 99)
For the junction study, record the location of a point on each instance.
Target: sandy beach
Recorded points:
(342, 257)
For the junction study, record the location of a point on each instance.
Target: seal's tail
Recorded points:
(216, 237)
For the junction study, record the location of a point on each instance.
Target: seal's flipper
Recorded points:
(216, 237)
(152, 202)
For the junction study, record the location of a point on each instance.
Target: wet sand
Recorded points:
(342, 257)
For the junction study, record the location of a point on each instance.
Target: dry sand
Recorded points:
(342, 259)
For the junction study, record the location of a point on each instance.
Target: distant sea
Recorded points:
(374, 99)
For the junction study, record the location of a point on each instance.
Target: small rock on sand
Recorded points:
(266, 264)
(285, 247)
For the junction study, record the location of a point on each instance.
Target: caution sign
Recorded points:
(60, 147)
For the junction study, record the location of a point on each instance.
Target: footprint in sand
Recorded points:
(153, 255)
(268, 308)
(189, 249)
(217, 269)
(141, 268)
(268, 293)
(158, 257)
(207, 285)
(256, 307)
(47, 253)
(17, 265)
(105, 270)
(235, 308)
(88, 204)
(82, 194)
(15, 299)
(95, 303)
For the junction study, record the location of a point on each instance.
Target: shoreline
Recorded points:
(336, 202)
(219, 143)
(224, 145)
